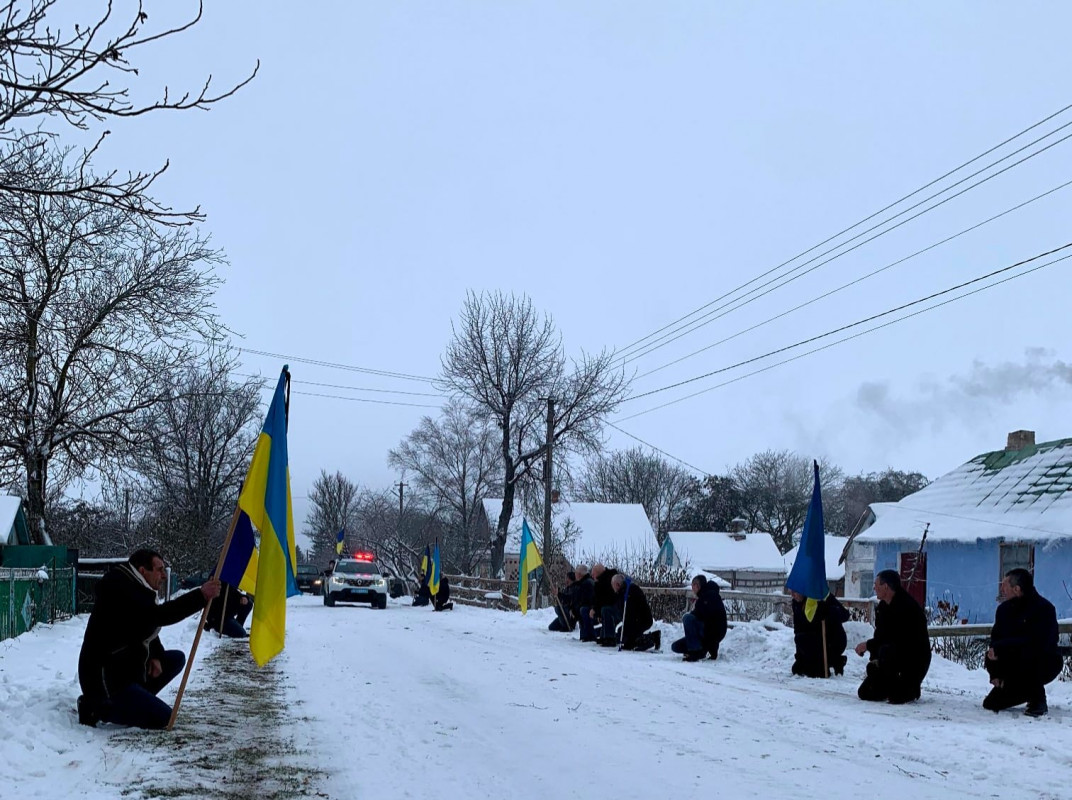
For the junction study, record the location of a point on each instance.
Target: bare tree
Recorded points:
(775, 489)
(195, 458)
(72, 63)
(507, 359)
(454, 461)
(640, 476)
(333, 507)
(97, 311)
(709, 505)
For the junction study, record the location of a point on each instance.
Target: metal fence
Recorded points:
(30, 596)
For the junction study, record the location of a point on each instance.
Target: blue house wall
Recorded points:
(968, 574)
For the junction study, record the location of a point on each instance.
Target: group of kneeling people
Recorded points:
(1022, 658)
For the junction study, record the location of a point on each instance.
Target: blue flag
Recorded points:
(808, 576)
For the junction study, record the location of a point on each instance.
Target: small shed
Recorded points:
(13, 526)
(748, 561)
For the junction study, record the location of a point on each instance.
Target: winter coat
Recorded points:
(901, 635)
(121, 635)
(1025, 628)
(603, 592)
(584, 592)
(634, 610)
(809, 634)
(711, 611)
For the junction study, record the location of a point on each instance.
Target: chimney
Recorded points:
(1018, 440)
(737, 527)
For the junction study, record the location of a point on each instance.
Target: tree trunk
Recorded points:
(36, 481)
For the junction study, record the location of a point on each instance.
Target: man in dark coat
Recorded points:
(424, 594)
(633, 611)
(442, 597)
(584, 591)
(900, 649)
(1023, 654)
(808, 635)
(705, 625)
(123, 665)
(603, 598)
(564, 620)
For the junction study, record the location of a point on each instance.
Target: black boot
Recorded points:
(87, 712)
(693, 655)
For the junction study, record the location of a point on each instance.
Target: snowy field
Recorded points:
(483, 704)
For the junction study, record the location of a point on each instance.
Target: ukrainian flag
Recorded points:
(808, 576)
(436, 570)
(426, 559)
(240, 564)
(530, 560)
(266, 499)
(339, 538)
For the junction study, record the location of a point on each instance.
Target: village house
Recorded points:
(957, 537)
(746, 561)
(606, 532)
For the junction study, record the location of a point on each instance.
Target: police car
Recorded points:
(357, 579)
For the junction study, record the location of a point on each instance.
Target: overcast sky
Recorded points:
(624, 164)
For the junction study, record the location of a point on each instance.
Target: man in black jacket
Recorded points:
(1023, 654)
(705, 625)
(123, 665)
(603, 598)
(900, 649)
(565, 620)
(808, 636)
(635, 614)
(442, 597)
(233, 617)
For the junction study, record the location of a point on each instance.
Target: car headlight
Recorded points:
(380, 582)
(317, 582)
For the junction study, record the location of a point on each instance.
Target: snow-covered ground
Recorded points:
(475, 703)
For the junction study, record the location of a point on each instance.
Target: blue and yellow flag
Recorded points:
(426, 559)
(339, 538)
(266, 499)
(530, 560)
(435, 570)
(808, 576)
(240, 564)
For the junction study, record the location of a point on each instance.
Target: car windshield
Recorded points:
(307, 569)
(357, 568)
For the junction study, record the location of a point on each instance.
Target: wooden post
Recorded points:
(826, 666)
(223, 610)
(204, 615)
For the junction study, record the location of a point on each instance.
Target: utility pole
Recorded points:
(401, 496)
(547, 477)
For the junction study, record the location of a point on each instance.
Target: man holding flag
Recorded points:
(817, 615)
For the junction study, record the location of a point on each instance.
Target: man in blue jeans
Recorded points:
(705, 625)
(123, 665)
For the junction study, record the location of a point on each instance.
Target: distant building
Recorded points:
(1003, 509)
(747, 561)
(597, 531)
(835, 572)
(13, 526)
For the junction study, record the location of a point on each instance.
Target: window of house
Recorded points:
(867, 582)
(1016, 555)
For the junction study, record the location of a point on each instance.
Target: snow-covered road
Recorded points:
(474, 703)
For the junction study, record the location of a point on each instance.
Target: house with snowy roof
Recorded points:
(13, 526)
(957, 537)
(747, 561)
(593, 532)
(835, 571)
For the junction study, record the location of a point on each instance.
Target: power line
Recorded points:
(335, 365)
(853, 282)
(853, 325)
(359, 399)
(351, 388)
(656, 449)
(712, 315)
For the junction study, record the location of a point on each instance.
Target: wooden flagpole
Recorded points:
(826, 666)
(204, 616)
(223, 610)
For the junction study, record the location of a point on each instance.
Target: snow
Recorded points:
(717, 551)
(408, 703)
(995, 495)
(833, 547)
(602, 528)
